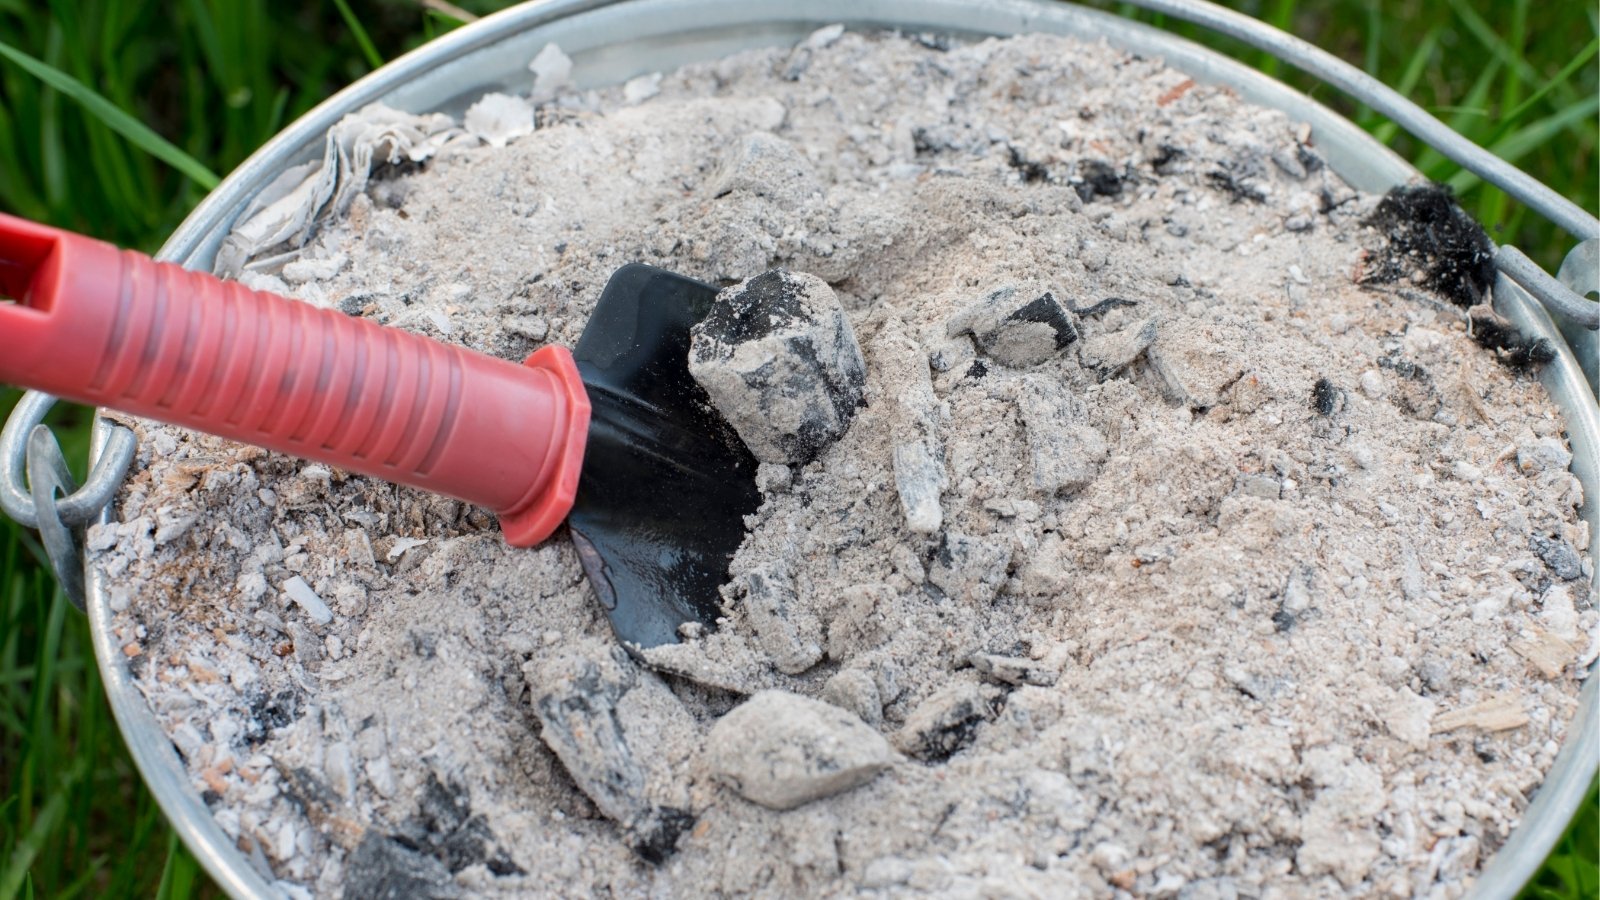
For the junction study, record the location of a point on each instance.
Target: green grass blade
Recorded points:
(180, 873)
(1492, 41)
(1408, 80)
(16, 869)
(136, 132)
(1533, 137)
(360, 34)
(1560, 78)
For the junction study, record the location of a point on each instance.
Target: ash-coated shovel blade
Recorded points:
(666, 481)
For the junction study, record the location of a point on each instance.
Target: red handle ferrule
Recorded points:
(109, 327)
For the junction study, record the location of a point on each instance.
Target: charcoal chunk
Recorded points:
(1429, 234)
(611, 725)
(919, 479)
(1561, 557)
(968, 568)
(918, 454)
(1097, 178)
(383, 868)
(1017, 326)
(1515, 350)
(1110, 353)
(445, 826)
(1195, 362)
(779, 360)
(1242, 178)
(948, 721)
(1325, 398)
(1010, 670)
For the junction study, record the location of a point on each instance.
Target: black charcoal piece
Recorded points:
(1413, 392)
(1166, 158)
(779, 360)
(1241, 179)
(1561, 557)
(445, 826)
(656, 837)
(382, 868)
(1511, 347)
(1032, 171)
(948, 721)
(1324, 397)
(606, 720)
(1017, 327)
(1103, 307)
(271, 712)
(1428, 233)
(1098, 178)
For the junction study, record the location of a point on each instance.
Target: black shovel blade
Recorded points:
(666, 481)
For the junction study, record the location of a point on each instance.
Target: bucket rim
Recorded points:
(416, 82)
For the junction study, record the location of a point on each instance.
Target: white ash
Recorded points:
(1237, 647)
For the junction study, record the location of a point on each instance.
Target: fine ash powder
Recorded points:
(1269, 584)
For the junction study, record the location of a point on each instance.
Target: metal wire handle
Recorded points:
(37, 489)
(1555, 295)
(33, 472)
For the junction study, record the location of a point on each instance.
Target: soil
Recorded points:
(1268, 581)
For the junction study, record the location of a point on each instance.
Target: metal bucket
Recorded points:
(613, 40)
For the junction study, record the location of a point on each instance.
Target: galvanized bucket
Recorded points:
(613, 40)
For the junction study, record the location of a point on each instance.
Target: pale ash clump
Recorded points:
(1132, 613)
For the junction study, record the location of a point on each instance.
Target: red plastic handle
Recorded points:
(114, 328)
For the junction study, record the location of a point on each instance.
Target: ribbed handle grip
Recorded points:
(110, 327)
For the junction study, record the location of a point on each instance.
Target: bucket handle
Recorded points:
(34, 474)
(1556, 296)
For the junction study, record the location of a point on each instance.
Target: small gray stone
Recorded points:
(772, 477)
(918, 458)
(856, 691)
(1288, 162)
(1561, 557)
(947, 721)
(1193, 363)
(969, 569)
(1064, 450)
(1266, 487)
(1544, 455)
(778, 359)
(919, 479)
(1017, 326)
(765, 165)
(782, 750)
(791, 640)
(1013, 670)
(1111, 353)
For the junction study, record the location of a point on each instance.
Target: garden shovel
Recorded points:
(615, 437)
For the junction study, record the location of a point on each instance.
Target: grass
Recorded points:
(115, 113)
